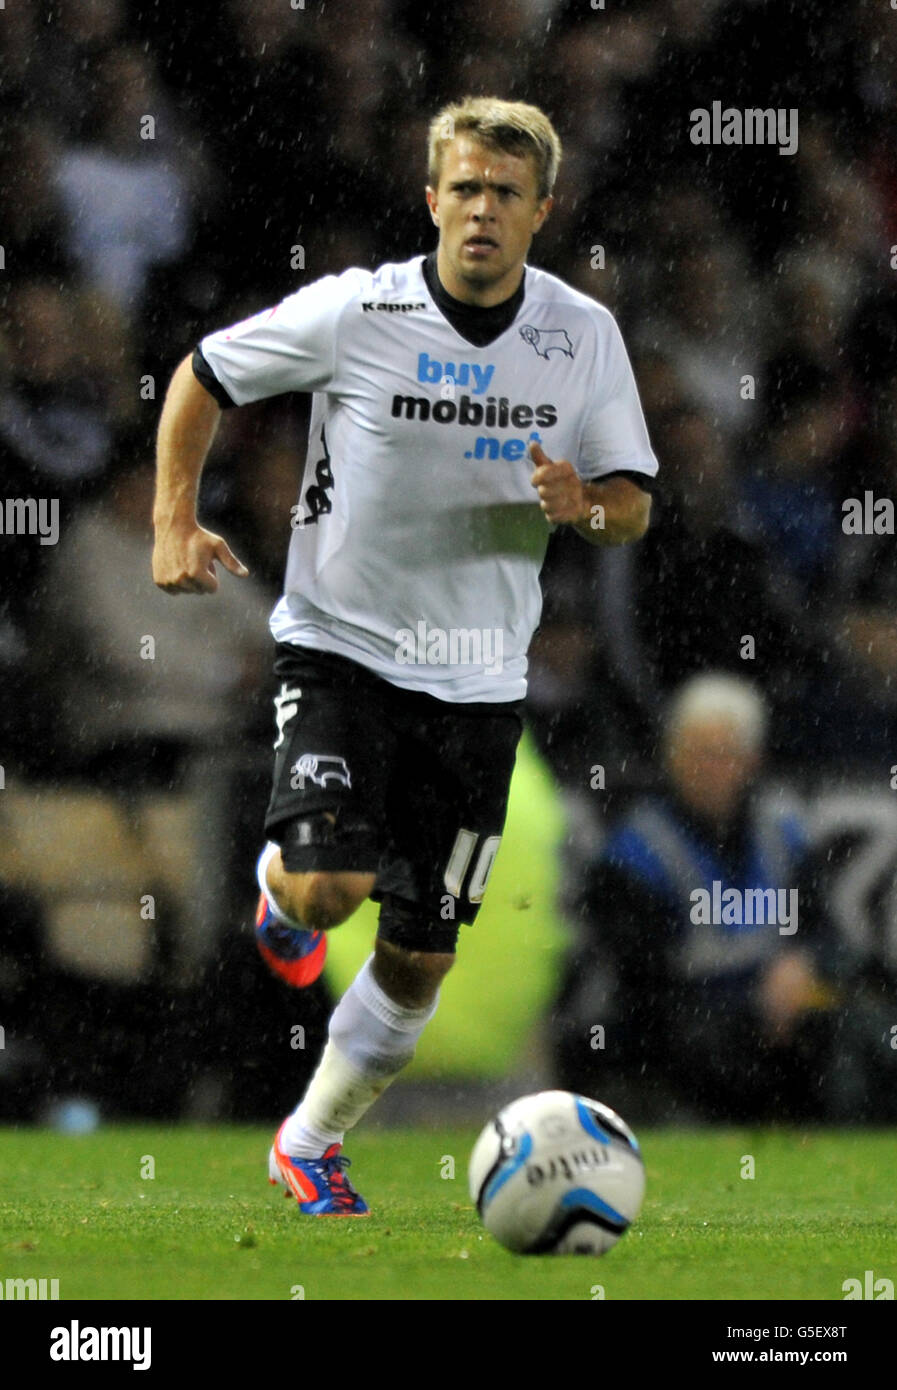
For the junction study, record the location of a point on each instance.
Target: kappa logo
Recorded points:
(546, 340)
(321, 768)
(385, 306)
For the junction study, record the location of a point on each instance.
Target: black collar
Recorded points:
(478, 325)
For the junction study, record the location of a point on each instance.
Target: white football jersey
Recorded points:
(418, 538)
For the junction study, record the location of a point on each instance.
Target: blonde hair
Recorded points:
(512, 126)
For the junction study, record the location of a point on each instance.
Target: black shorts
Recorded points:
(371, 778)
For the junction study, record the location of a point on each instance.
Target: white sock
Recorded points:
(371, 1039)
(265, 858)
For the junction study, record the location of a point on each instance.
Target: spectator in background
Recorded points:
(129, 190)
(839, 220)
(64, 363)
(697, 593)
(123, 716)
(71, 50)
(701, 581)
(55, 426)
(593, 678)
(858, 714)
(791, 488)
(734, 1018)
(566, 698)
(660, 385)
(710, 323)
(20, 67)
(34, 228)
(590, 67)
(285, 181)
(868, 91)
(815, 318)
(792, 498)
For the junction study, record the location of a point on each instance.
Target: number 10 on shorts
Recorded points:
(459, 863)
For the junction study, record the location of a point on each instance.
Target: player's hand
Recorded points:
(561, 493)
(184, 559)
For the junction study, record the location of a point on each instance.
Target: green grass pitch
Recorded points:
(818, 1211)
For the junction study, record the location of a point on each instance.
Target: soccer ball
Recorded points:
(555, 1173)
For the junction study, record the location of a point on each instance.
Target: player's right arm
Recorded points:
(184, 553)
(289, 347)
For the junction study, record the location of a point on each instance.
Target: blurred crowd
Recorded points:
(167, 171)
(165, 175)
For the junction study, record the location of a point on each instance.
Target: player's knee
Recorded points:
(327, 901)
(323, 900)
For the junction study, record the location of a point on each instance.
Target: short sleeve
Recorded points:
(290, 347)
(615, 437)
(207, 378)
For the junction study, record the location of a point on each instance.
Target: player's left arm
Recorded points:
(604, 513)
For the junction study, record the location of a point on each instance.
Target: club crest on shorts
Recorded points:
(322, 769)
